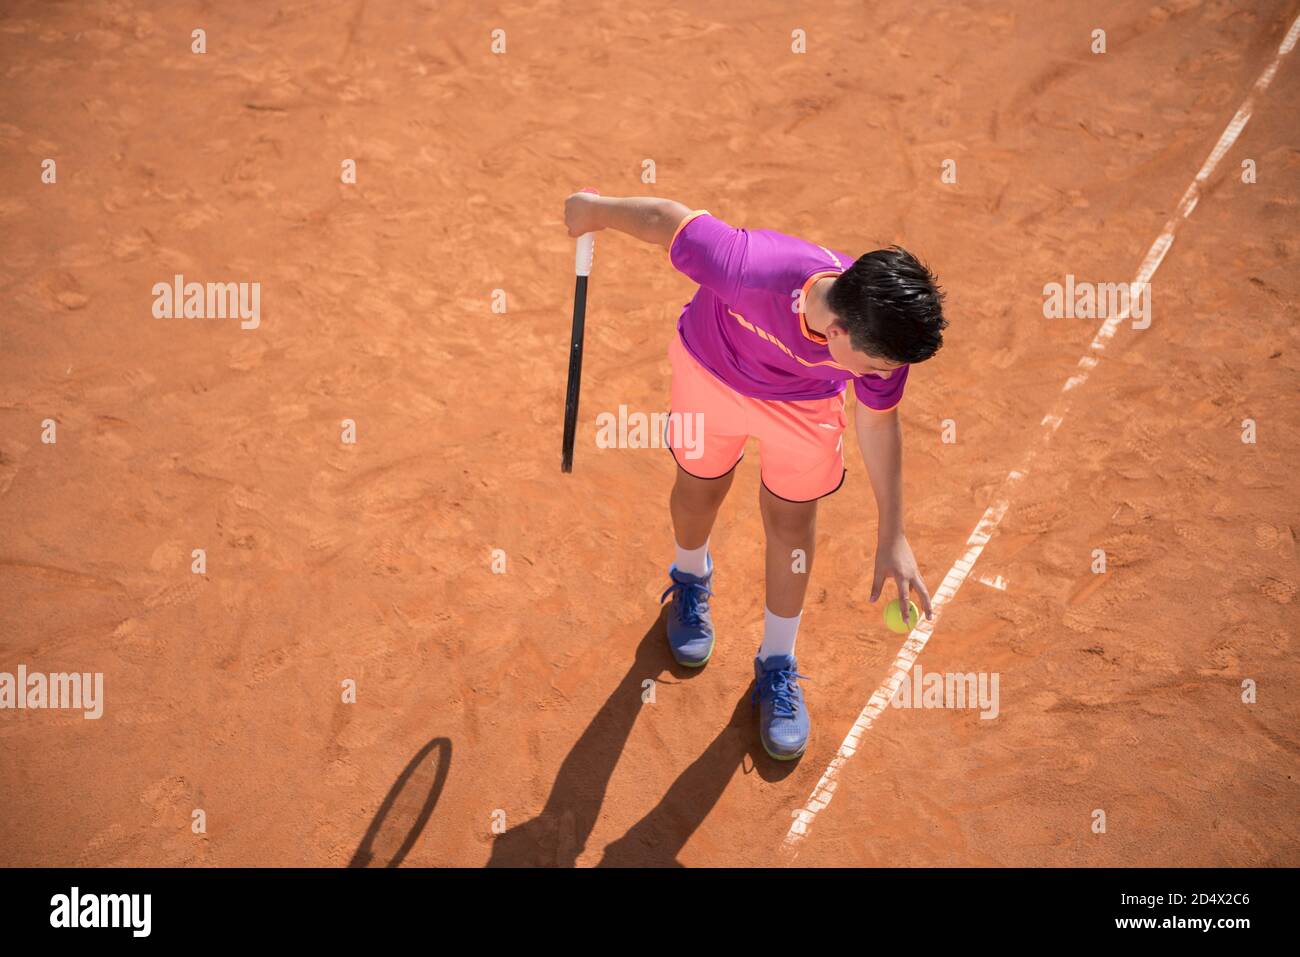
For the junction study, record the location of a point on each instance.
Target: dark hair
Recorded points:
(891, 306)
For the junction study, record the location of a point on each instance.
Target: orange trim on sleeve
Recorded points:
(682, 225)
(877, 411)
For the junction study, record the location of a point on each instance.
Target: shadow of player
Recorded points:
(559, 834)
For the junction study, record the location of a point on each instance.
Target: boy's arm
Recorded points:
(647, 218)
(880, 440)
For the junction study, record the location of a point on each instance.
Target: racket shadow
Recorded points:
(401, 818)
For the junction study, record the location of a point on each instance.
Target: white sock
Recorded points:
(778, 634)
(693, 561)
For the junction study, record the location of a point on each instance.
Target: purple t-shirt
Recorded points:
(744, 324)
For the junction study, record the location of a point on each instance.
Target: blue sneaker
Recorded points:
(782, 719)
(690, 624)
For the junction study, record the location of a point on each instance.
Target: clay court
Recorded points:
(429, 304)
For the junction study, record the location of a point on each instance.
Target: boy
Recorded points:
(775, 331)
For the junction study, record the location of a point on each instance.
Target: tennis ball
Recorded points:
(894, 617)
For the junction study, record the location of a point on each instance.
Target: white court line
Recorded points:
(992, 517)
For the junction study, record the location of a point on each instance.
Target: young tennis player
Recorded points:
(766, 348)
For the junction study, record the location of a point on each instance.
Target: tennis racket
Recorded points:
(582, 270)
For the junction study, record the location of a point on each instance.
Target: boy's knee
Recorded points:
(701, 493)
(790, 522)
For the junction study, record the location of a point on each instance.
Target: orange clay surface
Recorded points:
(516, 698)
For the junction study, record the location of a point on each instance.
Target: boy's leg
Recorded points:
(790, 527)
(694, 505)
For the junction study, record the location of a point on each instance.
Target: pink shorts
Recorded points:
(800, 444)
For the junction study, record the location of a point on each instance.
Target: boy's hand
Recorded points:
(581, 214)
(894, 560)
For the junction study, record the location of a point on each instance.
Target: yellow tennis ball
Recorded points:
(894, 617)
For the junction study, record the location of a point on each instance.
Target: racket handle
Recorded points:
(586, 252)
(586, 247)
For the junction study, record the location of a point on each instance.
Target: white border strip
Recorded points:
(992, 517)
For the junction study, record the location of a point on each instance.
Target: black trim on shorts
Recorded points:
(805, 501)
(706, 478)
